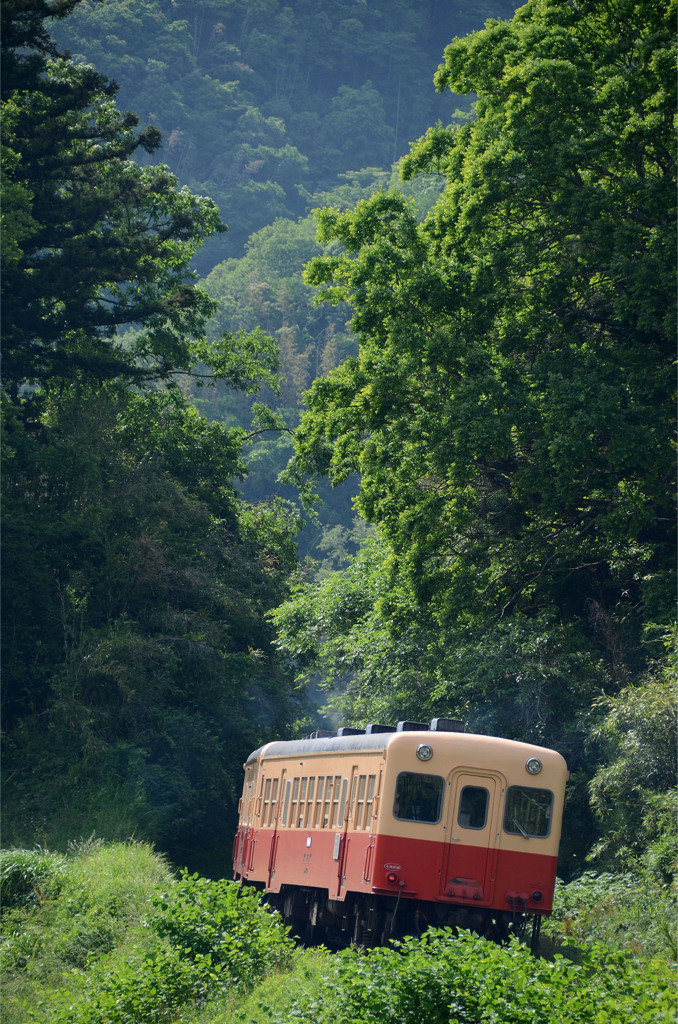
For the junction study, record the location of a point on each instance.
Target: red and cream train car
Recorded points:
(363, 835)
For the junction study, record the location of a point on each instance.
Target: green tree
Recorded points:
(355, 129)
(138, 666)
(264, 288)
(633, 792)
(510, 410)
(101, 242)
(95, 242)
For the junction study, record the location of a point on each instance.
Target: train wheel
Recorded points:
(383, 927)
(357, 936)
(536, 932)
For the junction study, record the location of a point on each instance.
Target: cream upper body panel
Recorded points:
(456, 758)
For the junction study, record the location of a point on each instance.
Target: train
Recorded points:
(365, 835)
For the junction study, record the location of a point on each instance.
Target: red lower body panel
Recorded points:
(388, 865)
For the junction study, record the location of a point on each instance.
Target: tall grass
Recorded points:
(61, 914)
(109, 934)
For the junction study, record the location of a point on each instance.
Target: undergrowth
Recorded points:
(631, 911)
(108, 934)
(443, 978)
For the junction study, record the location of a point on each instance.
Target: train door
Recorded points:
(341, 838)
(371, 813)
(279, 800)
(472, 824)
(247, 818)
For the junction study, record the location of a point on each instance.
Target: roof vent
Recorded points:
(347, 731)
(320, 734)
(373, 727)
(447, 725)
(411, 727)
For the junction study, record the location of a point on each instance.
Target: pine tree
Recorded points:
(92, 240)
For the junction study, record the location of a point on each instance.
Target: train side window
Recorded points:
(339, 823)
(473, 805)
(306, 804)
(369, 802)
(329, 792)
(318, 815)
(310, 806)
(258, 802)
(248, 798)
(335, 821)
(295, 803)
(302, 803)
(274, 801)
(360, 803)
(350, 810)
(267, 803)
(528, 811)
(418, 797)
(286, 802)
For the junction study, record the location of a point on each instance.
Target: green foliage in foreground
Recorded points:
(118, 940)
(224, 925)
(106, 934)
(442, 978)
(61, 914)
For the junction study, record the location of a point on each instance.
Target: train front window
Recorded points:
(473, 805)
(418, 797)
(528, 811)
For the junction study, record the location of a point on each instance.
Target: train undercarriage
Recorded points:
(373, 920)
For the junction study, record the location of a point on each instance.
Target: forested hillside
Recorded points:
(261, 102)
(479, 352)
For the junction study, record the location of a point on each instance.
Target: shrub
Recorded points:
(210, 937)
(442, 978)
(144, 990)
(226, 922)
(631, 911)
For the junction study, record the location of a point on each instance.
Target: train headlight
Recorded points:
(533, 765)
(424, 752)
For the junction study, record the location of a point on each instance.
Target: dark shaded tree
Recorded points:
(138, 668)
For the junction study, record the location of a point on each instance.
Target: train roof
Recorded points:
(379, 741)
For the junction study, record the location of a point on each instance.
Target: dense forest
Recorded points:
(407, 455)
